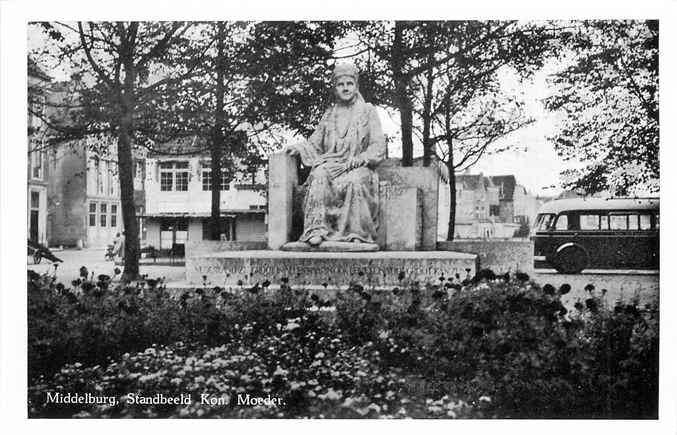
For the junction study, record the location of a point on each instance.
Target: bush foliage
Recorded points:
(488, 347)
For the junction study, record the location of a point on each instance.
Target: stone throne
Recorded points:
(408, 204)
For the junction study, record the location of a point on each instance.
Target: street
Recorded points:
(623, 284)
(93, 260)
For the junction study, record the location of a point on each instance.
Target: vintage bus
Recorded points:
(616, 233)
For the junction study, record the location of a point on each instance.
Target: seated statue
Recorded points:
(341, 200)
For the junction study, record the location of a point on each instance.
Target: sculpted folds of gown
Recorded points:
(341, 202)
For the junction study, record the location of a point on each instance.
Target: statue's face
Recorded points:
(346, 88)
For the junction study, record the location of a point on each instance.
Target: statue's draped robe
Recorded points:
(342, 205)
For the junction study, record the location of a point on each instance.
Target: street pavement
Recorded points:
(620, 284)
(93, 260)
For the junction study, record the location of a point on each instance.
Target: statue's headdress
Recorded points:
(345, 69)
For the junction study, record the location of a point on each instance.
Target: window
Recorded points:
(224, 228)
(35, 200)
(113, 215)
(174, 176)
(182, 181)
(36, 160)
(206, 180)
(618, 222)
(543, 222)
(104, 214)
(562, 223)
(166, 181)
(494, 210)
(92, 214)
(633, 222)
(657, 220)
(644, 221)
(589, 222)
(225, 182)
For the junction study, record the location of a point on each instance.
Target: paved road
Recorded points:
(93, 260)
(624, 284)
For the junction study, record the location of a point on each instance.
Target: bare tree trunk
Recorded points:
(402, 97)
(452, 176)
(427, 102)
(125, 165)
(217, 140)
(452, 198)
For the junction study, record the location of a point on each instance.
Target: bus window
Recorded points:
(656, 217)
(543, 222)
(589, 222)
(632, 222)
(562, 223)
(604, 223)
(618, 222)
(644, 221)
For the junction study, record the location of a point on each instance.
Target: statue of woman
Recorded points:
(341, 202)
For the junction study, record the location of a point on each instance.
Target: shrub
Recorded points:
(515, 342)
(505, 345)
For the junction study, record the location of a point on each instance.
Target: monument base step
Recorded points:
(317, 270)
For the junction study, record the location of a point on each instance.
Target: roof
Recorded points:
(559, 205)
(509, 182)
(224, 213)
(472, 182)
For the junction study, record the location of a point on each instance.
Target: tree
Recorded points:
(117, 67)
(444, 82)
(248, 80)
(608, 95)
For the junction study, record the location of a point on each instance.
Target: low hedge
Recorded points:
(488, 347)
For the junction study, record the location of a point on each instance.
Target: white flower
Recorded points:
(279, 371)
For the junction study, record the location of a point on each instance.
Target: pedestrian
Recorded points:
(121, 249)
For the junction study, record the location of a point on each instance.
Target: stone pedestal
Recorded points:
(335, 269)
(282, 178)
(427, 180)
(402, 218)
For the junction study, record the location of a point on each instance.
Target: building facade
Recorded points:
(37, 174)
(477, 208)
(178, 203)
(84, 193)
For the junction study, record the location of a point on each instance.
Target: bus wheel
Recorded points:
(571, 260)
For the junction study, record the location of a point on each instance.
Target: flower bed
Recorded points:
(490, 347)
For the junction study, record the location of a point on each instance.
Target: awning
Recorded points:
(224, 213)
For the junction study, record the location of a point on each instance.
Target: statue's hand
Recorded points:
(354, 163)
(292, 150)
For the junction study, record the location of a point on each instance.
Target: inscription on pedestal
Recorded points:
(334, 271)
